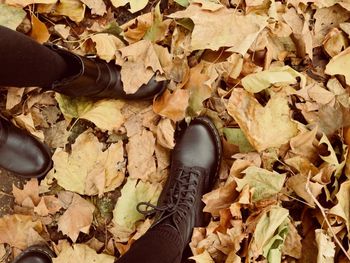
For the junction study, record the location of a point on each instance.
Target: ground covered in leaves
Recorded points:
(273, 75)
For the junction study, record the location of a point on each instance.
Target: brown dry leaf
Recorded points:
(339, 64)
(305, 144)
(264, 127)
(26, 122)
(135, 29)
(39, 30)
(14, 97)
(165, 134)
(220, 198)
(62, 30)
(89, 170)
(141, 163)
(49, 204)
(135, 5)
(77, 218)
(335, 42)
(238, 32)
(342, 209)
(172, 105)
(29, 194)
(139, 57)
(292, 243)
(19, 230)
(24, 3)
(57, 135)
(107, 45)
(97, 7)
(326, 19)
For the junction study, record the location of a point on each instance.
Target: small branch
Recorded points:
(325, 217)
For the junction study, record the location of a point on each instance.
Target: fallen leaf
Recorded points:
(15, 230)
(335, 42)
(141, 164)
(82, 169)
(139, 57)
(276, 76)
(39, 30)
(57, 135)
(135, 29)
(172, 105)
(326, 247)
(97, 7)
(268, 223)
(292, 244)
(264, 183)
(30, 191)
(105, 114)
(82, 253)
(236, 136)
(107, 45)
(48, 205)
(203, 258)
(238, 32)
(11, 16)
(74, 9)
(135, 5)
(24, 3)
(165, 134)
(77, 218)
(264, 127)
(338, 65)
(133, 192)
(62, 30)
(26, 122)
(342, 209)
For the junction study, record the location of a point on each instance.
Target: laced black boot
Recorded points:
(195, 164)
(21, 153)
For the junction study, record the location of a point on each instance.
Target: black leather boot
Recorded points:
(21, 153)
(35, 254)
(194, 166)
(95, 78)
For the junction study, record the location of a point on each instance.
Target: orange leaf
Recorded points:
(39, 30)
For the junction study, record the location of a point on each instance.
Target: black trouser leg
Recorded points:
(159, 245)
(24, 62)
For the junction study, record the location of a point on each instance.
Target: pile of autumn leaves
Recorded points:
(274, 79)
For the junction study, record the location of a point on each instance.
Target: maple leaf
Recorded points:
(20, 231)
(29, 196)
(107, 45)
(77, 218)
(88, 170)
(264, 127)
(237, 32)
(135, 5)
(338, 65)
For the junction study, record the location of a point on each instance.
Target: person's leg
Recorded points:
(160, 244)
(194, 166)
(25, 62)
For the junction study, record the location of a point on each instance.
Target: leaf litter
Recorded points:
(272, 75)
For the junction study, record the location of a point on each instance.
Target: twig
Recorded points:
(325, 216)
(6, 194)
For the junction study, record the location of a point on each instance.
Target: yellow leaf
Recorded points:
(82, 253)
(105, 114)
(74, 9)
(326, 247)
(264, 127)
(165, 134)
(135, 5)
(77, 172)
(339, 65)
(24, 3)
(276, 76)
(97, 7)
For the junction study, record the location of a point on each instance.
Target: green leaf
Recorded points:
(184, 3)
(265, 183)
(269, 232)
(133, 192)
(11, 16)
(273, 249)
(236, 136)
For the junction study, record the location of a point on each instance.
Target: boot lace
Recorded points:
(179, 199)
